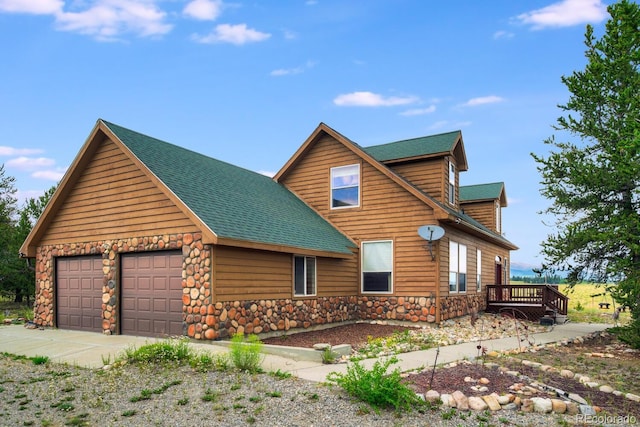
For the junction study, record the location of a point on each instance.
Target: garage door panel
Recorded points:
(79, 293)
(151, 294)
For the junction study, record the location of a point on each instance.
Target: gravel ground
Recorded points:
(59, 395)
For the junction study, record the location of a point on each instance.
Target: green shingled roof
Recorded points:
(491, 191)
(234, 202)
(416, 147)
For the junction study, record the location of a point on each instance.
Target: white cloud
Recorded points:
(234, 34)
(106, 20)
(290, 71)
(49, 175)
(502, 35)
(565, 13)
(30, 163)
(36, 7)
(12, 151)
(370, 99)
(491, 99)
(419, 111)
(270, 174)
(204, 10)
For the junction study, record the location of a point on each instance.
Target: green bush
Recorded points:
(166, 351)
(377, 387)
(246, 353)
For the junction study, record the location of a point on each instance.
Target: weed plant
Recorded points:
(377, 387)
(166, 351)
(246, 353)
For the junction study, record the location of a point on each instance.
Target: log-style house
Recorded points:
(144, 237)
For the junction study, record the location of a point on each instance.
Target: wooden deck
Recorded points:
(529, 301)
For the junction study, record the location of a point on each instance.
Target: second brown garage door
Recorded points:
(151, 294)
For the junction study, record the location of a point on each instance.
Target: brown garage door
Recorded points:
(151, 294)
(79, 293)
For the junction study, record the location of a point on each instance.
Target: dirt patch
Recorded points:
(356, 334)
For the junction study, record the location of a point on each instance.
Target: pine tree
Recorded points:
(593, 183)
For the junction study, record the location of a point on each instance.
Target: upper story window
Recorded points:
(498, 217)
(304, 275)
(452, 183)
(377, 266)
(345, 186)
(457, 267)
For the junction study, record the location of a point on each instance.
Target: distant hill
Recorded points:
(522, 269)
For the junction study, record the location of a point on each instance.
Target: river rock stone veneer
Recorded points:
(205, 319)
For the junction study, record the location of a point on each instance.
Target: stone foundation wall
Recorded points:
(460, 305)
(207, 320)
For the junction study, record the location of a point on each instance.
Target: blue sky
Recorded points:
(247, 81)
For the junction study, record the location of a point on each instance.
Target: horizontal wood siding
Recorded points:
(245, 274)
(489, 253)
(483, 212)
(427, 175)
(113, 198)
(387, 212)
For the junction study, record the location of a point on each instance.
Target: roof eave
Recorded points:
(226, 241)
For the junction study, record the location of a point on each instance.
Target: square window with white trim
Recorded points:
(304, 275)
(345, 187)
(377, 266)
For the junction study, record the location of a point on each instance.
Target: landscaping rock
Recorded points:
(558, 406)
(492, 402)
(447, 400)
(477, 403)
(432, 396)
(462, 401)
(542, 405)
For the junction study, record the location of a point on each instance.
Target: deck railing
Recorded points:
(520, 296)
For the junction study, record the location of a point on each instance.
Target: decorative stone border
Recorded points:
(572, 404)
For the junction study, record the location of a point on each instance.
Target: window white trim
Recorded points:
(377, 266)
(304, 276)
(452, 183)
(457, 268)
(345, 180)
(478, 270)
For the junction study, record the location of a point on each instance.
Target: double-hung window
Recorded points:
(452, 183)
(345, 186)
(377, 266)
(478, 270)
(457, 267)
(304, 275)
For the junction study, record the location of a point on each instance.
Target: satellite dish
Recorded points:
(431, 232)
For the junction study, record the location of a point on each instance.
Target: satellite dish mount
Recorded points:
(431, 233)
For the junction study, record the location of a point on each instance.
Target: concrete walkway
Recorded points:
(92, 350)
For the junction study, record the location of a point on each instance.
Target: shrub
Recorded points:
(377, 387)
(160, 352)
(246, 353)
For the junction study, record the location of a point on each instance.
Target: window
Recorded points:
(377, 266)
(345, 187)
(478, 270)
(452, 183)
(457, 267)
(498, 217)
(304, 275)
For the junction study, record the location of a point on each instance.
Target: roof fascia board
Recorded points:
(225, 241)
(71, 175)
